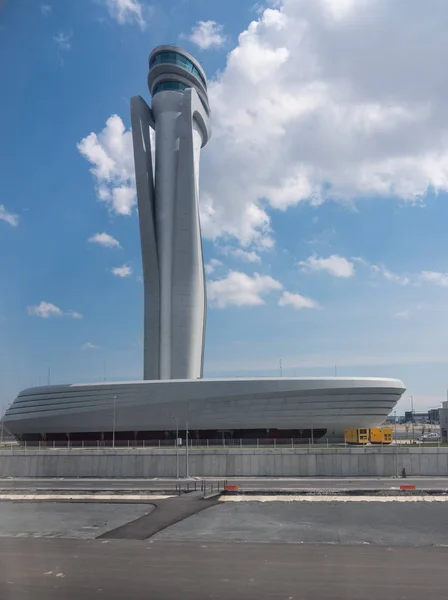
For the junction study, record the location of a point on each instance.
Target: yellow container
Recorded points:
(381, 435)
(356, 436)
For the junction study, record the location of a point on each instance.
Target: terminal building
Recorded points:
(172, 394)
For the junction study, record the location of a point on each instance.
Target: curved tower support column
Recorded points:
(141, 120)
(189, 301)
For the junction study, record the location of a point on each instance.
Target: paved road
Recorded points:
(392, 523)
(66, 520)
(266, 483)
(87, 484)
(51, 569)
(245, 483)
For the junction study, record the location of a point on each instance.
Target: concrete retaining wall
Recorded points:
(353, 462)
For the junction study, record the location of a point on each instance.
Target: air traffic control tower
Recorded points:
(167, 196)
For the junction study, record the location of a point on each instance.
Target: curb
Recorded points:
(339, 492)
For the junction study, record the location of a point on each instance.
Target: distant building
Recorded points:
(443, 420)
(416, 417)
(433, 415)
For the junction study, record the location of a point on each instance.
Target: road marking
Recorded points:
(329, 498)
(92, 497)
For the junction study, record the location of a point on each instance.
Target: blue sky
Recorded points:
(323, 189)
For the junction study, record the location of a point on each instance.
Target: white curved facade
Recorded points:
(234, 405)
(168, 202)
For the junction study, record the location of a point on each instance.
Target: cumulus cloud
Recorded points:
(394, 277)
(110, 152)
(207, 34)
(382, 271)
(123, 271)
(240, 254)
(8, 217)
(104, 239)
(45, 9)
(89, 346)
(73, 314)
(403, 314)
(46, 310)
(434, 277)
(326, 99)
(212, 264)
(296, 301)
(239, 289)
(63, 40)
(127, 11)
(334, 264)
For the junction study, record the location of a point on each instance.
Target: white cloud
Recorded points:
(45, 9)
(334, 264)
(8, 217)
(63, 40)
(46, 310)
(127, 11)
(239, 289)
(240, 254)
(123, 271)
(110, 152)
(104, 239)
(434, 277)
(73, 314)
(296, 301)
(394, 277)
(212, 264)
(89, 346)
(207, 34)
(326, 99)
(403, 314)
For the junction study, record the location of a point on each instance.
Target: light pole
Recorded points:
(412, 416)
(113, 429)
(177, 447)
(186, 451)
(396, 443)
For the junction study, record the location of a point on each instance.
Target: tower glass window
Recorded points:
(169, 85)
(176, 59)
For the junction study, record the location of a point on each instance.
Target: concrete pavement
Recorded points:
(347, 523)
(340, 483)
(245, 483)
(167, 513)
(50, 569)
(63, 520)
(248, 551)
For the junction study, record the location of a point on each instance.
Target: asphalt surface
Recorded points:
(50, 569)
(64, 520)
(348, 523)
(368, 483)
(87, 484)
(245, 483)
(167, 512)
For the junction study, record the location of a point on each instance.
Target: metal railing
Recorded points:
(194, 444)
(205, 486)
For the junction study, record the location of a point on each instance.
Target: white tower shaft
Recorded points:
(173, 269)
